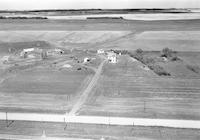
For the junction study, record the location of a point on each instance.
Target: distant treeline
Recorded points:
(105, 18)
(153, 10)
(2, 17)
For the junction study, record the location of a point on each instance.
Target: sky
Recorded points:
(103, 4)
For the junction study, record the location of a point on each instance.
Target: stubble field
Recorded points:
(127, 89)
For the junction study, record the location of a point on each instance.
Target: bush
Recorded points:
(193, 68)
(148, 60)
(123, 52)
(175, 58)
(159, 70)
(138, 54)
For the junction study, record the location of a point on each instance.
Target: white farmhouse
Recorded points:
(100, 51)
(112, 57)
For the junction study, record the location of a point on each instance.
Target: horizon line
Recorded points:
(76, 9)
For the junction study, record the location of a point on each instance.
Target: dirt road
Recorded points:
(189, 124)
(87, 91)
(22, 137)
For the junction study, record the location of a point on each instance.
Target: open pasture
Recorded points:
(127, 89)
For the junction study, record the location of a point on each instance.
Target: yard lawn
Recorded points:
(127, 89)
(42, 90)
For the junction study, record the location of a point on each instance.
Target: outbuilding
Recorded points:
(86, 60)
(100, 51)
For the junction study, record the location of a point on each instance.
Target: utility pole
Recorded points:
(144, 106)
(6, 119)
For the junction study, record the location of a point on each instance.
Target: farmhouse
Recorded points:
(100, 51)
(112, 57)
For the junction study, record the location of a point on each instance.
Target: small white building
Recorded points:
(85, 60)
(5, 59)
(67, 66)
(112, 57)
(25, 51)
(28, 50)
(100, 51)
(59, 51)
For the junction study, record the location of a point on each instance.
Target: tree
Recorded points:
(139, 51)
(44, 55)
(166, 52)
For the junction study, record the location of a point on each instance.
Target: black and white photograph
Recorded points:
(99, 69)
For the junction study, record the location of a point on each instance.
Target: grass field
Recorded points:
(126, 89)
(97, 131)
(42, 85)
(42, 90)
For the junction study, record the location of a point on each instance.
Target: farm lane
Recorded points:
(87, 90)
(189, 124)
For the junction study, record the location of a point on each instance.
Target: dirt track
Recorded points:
(87, 91)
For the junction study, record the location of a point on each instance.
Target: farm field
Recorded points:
(129, 40)
(64, 39)
(35, 85)
(157, 40)
(42, 90)
(127, 89)
(99, 25)
(97, 131)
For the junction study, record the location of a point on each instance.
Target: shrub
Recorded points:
(123, 52)
(139, 57)
(138, 54)
(194, 68)
(159, 70)
(175, 58)
(148, 60)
